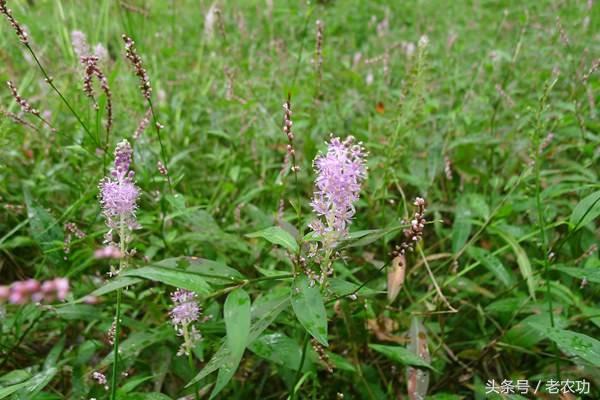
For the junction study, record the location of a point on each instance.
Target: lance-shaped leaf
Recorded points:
(573, 343)
(308, 306)
(585, 211)
(522, 261)
(280, 349)
(237, 324)
(263, 312)
(399, 354)
(171, 276)
(276, 235)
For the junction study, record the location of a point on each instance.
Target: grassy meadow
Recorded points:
(179, 221)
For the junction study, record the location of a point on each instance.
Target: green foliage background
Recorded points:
(511, 231)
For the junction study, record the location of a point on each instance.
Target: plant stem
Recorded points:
(122, 264)
(299, 371)
(162, 147)
(540, 212)
(49, 80)
(186, 338)
(113, 390)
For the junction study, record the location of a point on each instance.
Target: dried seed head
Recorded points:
(161, 168)
(91, 71)
(25, 106)
(136, 62)
(143, 124)
(323, 357)
(414, 232)
(19, 29)
(448, 167)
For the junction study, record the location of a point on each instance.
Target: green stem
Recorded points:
(186, 338)
(49, 80)
(162, 147)
(122, 265)
(113, 390)
(299, 371)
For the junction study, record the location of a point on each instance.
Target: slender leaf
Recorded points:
(173, 277)
(493, 264)
(237, 322)
(263, 312)
(587, 210)
(400, 355)
(278, 236)
(280, 349)
(461, 229)
(308, 305)
(589, 274)
(114, 284)
(576, 344)
(522, 261)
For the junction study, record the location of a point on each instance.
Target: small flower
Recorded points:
(101, 52)
(80, 44)
(100, 378)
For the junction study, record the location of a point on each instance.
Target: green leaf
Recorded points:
(78, 312)
(461, 229)
(112, 285)
(522, 261)
(138, 341)
(263, 312)
(144, 396)
(493, 264)
(237, 323)
(308, 305)
(342, 287)
(573, 343)
(590, 274)
(7, 391)
(36, 384)
(400, 354)
(213, 272)
(132, 384)
(278, 236)
(340, 362)
(173, 277)
(585, 211)
(177, 201)
(522, 335)
(280, 349)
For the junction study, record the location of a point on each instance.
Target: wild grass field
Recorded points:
(280, 199)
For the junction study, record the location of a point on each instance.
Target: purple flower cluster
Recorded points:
(22, 292)
(340, 173)
(118, 192)
(185, 309)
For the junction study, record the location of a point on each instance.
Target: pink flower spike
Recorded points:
(62, 287)
(108, 252)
